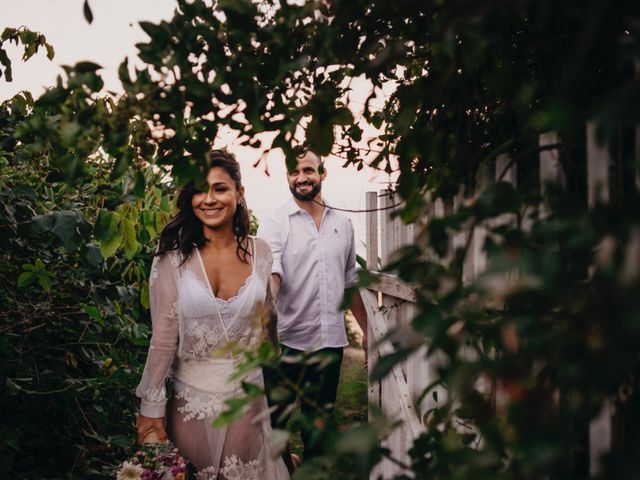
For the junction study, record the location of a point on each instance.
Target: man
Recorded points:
(314, 260)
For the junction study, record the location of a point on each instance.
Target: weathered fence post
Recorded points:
(372, 265)
(598, 163)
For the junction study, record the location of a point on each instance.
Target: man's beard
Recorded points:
(310, 195)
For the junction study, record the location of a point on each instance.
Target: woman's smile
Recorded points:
(211, 211)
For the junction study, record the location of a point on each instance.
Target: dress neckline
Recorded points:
(237, 294)
(227, 301)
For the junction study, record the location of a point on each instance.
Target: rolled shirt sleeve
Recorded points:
(272, 232)
(351, 274)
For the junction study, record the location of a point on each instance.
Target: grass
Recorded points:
(351, 402)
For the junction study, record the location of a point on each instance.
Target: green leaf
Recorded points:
(42, 223)
(88, 14)
(92, 255)
(50, 51)
(6, 33)
(64, 228)
(320, 136)
(67, 225)
(359, 440)
(386, 363)
(20, 102)
(144, 295)
(121, 164)
(29, 51)
(128, 231)
(156, 32)
(45, 282)
(342, 116)
(123, 73)
(251, 389)
(69, 132)
(25, 279)
(106, 225)
(237, 408)
(4, 60)
(109, 246)
(93, 312)
(87, 67)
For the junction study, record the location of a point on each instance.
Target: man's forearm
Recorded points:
(358, 310)
(275, 286)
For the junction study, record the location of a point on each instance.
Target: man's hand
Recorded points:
(358, 310)
(150, 430)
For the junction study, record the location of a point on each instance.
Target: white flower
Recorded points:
(130, 471)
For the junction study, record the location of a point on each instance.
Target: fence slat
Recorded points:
(401, 393)
(387, 246)
(598, 162)
(484, 178)
(505, 170)
(373, 392)
(600, 437)
(372, 230)
(390, 285)
(550, 168)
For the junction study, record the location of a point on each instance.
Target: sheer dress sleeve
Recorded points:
(163, 298)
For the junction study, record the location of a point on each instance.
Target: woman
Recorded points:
(208, 286)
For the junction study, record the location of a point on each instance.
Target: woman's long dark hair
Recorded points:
(185, 231)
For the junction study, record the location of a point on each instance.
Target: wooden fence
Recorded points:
(390, 303)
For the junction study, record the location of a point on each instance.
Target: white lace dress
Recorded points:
(194, 335)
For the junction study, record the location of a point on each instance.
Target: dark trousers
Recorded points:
(310, 378)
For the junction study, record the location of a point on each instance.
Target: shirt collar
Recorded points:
(292, 207)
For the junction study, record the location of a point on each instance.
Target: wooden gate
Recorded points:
(390, 303)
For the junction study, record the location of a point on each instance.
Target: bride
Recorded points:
(209, 291)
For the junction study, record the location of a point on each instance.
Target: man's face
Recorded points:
(305, 180)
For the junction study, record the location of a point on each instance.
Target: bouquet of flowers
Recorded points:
(156, 461)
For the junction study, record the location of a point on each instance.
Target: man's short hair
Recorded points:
(301, 150)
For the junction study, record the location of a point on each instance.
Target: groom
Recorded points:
(314, 260)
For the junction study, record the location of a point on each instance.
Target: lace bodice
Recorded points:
(229, 308)
(191, 324)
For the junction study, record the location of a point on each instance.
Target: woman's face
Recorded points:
(215, 207)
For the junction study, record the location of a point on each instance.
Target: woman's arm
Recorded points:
(163, 297)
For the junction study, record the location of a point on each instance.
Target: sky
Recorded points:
(112, 37)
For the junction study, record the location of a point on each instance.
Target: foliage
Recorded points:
(551, 327)
(31, 43)
(73, 287)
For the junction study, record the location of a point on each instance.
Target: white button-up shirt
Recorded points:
(314, 266)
